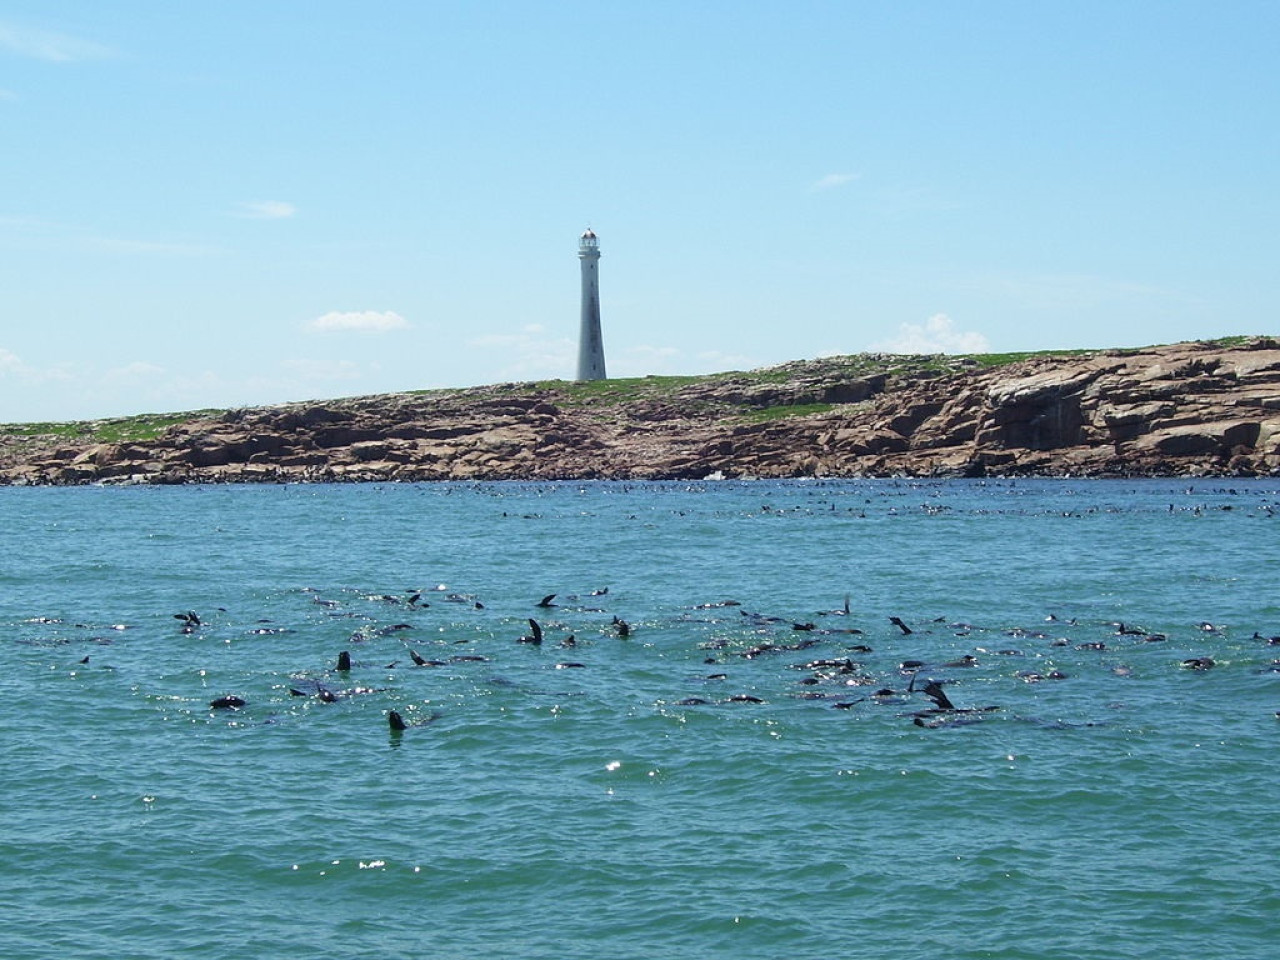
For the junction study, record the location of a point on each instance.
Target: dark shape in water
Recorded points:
(897, 622)
(227, 703)
(933, 690)
(344, 661)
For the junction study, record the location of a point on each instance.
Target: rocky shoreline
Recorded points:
(1188, 409)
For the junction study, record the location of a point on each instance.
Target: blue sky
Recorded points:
(238, 203)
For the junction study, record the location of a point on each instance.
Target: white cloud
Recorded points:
(13, 366)
(525, 338)
(365, 321)
(46, 45)
(265, 210)
(936, 335)
(650, 353)
(528, 354)
(126, 246)
(644, 360)
(719, 361)
(324, 371)
(833, 180)
(138, 372)
(1067, 291)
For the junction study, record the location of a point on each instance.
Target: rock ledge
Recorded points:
(1189, 409)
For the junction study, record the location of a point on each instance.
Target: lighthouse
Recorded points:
(590, 343)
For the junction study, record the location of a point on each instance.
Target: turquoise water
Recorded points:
(541, 810)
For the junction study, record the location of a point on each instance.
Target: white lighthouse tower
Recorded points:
(590, 343)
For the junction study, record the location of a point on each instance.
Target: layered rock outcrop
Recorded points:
(1188, 409)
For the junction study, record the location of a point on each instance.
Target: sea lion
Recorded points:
(933, 690)
(227, 703)
(897, 622)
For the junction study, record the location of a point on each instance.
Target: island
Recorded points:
(1204, 408)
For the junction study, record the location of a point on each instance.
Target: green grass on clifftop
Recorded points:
(136, 429)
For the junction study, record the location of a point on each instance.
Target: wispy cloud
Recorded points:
(14, 367)
(265, 210)
(719, 361)
(1067, 291)
(312, 371)
(655, 356)
(49, 46)
(833, 180)
(363, 321)
(124, 245)
(647, 359)
(46, 234)
(528, 353)
(7, 96)
(137, 373)
(527, 335)
(936, 335)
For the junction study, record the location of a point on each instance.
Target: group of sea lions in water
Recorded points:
(829, 678)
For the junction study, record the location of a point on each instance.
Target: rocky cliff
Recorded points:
(1189, 409)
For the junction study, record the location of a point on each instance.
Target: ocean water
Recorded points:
(716, 783)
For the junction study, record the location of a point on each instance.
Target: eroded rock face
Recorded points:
(1182, 410)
